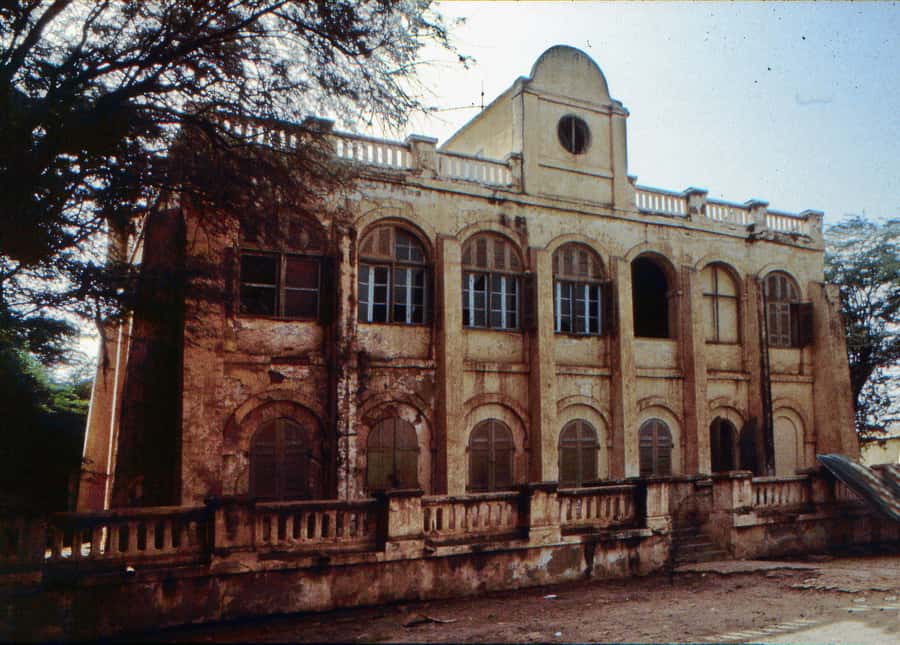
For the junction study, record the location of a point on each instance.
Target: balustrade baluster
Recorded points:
(168, 545)
(96, 541)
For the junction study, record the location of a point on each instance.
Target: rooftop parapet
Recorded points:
(418, 155)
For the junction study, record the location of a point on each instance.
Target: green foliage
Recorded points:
(95, 96)
(43, 428)
(863, 258)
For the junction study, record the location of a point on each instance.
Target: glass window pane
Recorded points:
(301, 273)
(259, 269)
(593, 309)
(259, 300)
(363, 292)
(301, 304)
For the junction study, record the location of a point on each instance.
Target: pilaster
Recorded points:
(344, 368)
(624, 459)
(450, 462)
(542, 377)
(623, 190)
(693, 359)
(752, 357)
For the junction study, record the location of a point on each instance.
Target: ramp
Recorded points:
(881, 493)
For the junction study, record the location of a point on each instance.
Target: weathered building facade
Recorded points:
(495, 364)
(508, 308)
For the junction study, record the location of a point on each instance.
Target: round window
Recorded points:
(574, 134)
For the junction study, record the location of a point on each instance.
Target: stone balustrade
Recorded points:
(477, 515)
(693, 204)
(125, 534)
(397, 523)
(597, 507)
(537, 512)
(419, 155)
(372, 151)
(660, 202)
(295, 525)
(467, 168)
(780, 492)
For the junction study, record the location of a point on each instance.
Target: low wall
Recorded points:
(84, 607)
(769, 517)
(89, 575)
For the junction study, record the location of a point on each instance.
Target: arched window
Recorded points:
(281, 464)
(577, 453)
(491, 451)
(720, 299)
(655, 442)
(491, 282)
(788, 321)
(392, 456)
(393, 277)
(723, 445)
(788, 438)
(581, 297)
(650, 294)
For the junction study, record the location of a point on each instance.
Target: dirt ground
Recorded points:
(840, 600)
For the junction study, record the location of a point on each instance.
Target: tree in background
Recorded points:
(95, 95)
(107, 107)
(863, 258)
(43, 424)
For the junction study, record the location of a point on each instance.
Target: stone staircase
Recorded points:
(690, 544)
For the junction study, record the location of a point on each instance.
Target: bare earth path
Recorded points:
(842, 600)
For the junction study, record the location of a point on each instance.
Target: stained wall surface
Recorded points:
(339, 376)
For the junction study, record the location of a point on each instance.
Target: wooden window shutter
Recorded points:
(529, 302)
(607, 308)
(802, 319)
(328, 287)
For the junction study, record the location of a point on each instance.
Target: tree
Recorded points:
(863, 258)
(43, 430)
(96, 96)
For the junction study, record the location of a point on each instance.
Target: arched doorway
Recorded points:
(723, 445)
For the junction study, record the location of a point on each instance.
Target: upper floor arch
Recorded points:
(401, 212)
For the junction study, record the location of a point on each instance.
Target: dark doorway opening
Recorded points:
(649, 293)
(723, 446)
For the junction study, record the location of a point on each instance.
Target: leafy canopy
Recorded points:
(863, 258)
(95, 96)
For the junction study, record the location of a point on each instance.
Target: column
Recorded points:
(542, 396)
(624, 460)
(752, 348)
(692, 343)
(450, 430)
(343, 371)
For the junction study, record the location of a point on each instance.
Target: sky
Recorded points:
(797, 104)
